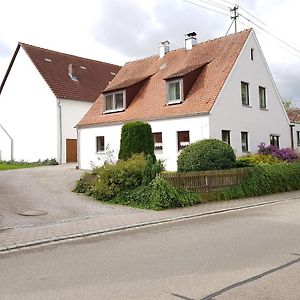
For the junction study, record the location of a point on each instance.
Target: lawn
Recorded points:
(5, 166)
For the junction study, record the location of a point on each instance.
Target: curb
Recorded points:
(42, 242)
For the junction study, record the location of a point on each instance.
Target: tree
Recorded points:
(136, 137)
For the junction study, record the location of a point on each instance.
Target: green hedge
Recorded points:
(210, 154)
(263, 180)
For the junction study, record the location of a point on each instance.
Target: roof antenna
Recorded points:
(234, 17)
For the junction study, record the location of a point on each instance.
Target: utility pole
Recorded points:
(234, 16)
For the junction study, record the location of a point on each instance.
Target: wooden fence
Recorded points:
(206, 181)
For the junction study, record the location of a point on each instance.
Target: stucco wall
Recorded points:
(229, 113)
(198, 127)
(28, 113)
(71, 111)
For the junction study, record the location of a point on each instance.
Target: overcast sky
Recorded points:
(117, 31)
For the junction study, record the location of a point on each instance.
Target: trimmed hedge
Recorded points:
(264, 180)
(136, 137)
(210, 154)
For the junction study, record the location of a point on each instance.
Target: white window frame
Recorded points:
(265, 95)
(176, 101)
(247, 142)
(274, 137)
(180, 144)
(229, 138)
(248, 94)
(298, 137)
(114, 101)
(158, 147)
(100, 136)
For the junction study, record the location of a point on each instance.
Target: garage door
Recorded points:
(71, 149)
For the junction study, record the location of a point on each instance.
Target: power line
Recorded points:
(271, 34)
(197, 4)
(215, 4)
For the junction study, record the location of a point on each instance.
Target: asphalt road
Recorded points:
(248, 254)
(47, 189)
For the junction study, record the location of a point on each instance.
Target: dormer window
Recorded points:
(115, 101)
(175, 91)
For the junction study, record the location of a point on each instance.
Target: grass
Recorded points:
(5, 166)
(12, 165)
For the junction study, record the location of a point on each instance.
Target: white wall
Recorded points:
(72, 112)
(229, 114)
(28, 112)
(198, 127)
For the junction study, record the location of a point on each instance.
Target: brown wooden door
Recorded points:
(71, 150)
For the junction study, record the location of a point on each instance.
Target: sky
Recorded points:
(118, 31)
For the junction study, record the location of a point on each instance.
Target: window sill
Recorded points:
(158, 151)
(174, 102)
(264, 109)
(100, 152)
(113, 111)
(245, 105)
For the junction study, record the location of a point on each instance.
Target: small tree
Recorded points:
(136, 137)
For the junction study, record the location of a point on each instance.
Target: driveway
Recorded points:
(46, 189)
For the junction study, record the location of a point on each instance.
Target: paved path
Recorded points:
(22, 237)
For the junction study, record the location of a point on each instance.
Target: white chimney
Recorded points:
(190, 40)
(164, 48)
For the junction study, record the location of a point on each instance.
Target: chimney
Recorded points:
(72, 72)
(164, 48)
(190, 40)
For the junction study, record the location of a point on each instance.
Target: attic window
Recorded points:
(115, 102)
(252, 54)
(48, 59)
(72, 72)
(175, 91)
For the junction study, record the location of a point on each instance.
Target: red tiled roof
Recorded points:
(93, 76)
(294, 115)
(217, 58)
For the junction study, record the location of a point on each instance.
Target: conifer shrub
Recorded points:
(136, 137)
(210, 154)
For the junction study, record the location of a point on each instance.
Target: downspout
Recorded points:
(60, 130)
(11, 143)
(292, 136)
(78, 148)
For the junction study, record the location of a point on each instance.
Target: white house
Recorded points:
(43, 95)
(294, 116)
(220, 88)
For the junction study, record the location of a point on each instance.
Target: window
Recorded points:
(226, 136)
(252, 54)
(115, 101)
(262, 97)
(298, 138)
(100, 146)
(274, 140)
(175, 91)
(158, 145)
(245, 93)
(244, 141)
(183, 138)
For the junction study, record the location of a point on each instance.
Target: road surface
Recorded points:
(248, 254)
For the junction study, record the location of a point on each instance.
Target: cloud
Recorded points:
(134, 31)
(287, 80)
(4, 49)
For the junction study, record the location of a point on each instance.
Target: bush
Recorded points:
(210, 154)
(263, 180)
(158, 195)
(136, 137)
(114, 178)
(285, 154)
(256, 159)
